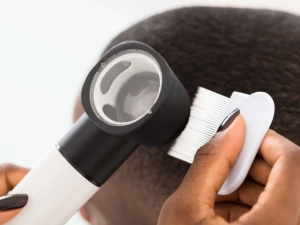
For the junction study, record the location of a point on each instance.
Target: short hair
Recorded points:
(224, 50)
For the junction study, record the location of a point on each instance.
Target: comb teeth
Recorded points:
(205, 117)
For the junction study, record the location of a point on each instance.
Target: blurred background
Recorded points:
(46, 50)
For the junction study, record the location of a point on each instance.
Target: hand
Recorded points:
(196, 200)
(10, 205)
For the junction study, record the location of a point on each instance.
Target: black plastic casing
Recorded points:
(95, 154)
(169, 114)
(96, 149)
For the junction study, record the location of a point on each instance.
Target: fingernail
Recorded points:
(10, 202)
(228, 120)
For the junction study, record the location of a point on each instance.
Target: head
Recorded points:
(224, 50)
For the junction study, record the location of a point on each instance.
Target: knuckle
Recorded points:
(270, 140)
(271, 135)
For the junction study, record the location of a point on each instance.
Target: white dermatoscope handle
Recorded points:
(56, 191)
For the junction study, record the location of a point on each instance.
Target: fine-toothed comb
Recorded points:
(208, 110)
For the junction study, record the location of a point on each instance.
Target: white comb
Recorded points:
(208, 110)
(205, 117)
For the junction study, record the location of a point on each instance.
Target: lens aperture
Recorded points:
(137, 96)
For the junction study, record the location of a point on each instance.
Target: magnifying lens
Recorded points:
(131, 97)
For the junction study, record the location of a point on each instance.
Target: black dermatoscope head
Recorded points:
(130, 97)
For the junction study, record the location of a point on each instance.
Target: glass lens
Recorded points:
(126, 87)
(137, 96)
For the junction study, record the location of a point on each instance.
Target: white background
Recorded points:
(46, 50)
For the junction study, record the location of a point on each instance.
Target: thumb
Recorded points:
(212, 163)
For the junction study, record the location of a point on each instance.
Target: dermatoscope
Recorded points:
(130, 97)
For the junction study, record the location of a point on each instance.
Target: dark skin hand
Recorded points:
(269, 196)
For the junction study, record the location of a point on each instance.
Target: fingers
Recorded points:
(281, 196)
(247, 194)
(231, 211)
(10, 176)
(250, 191)
(260, 170)
(252, 187)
